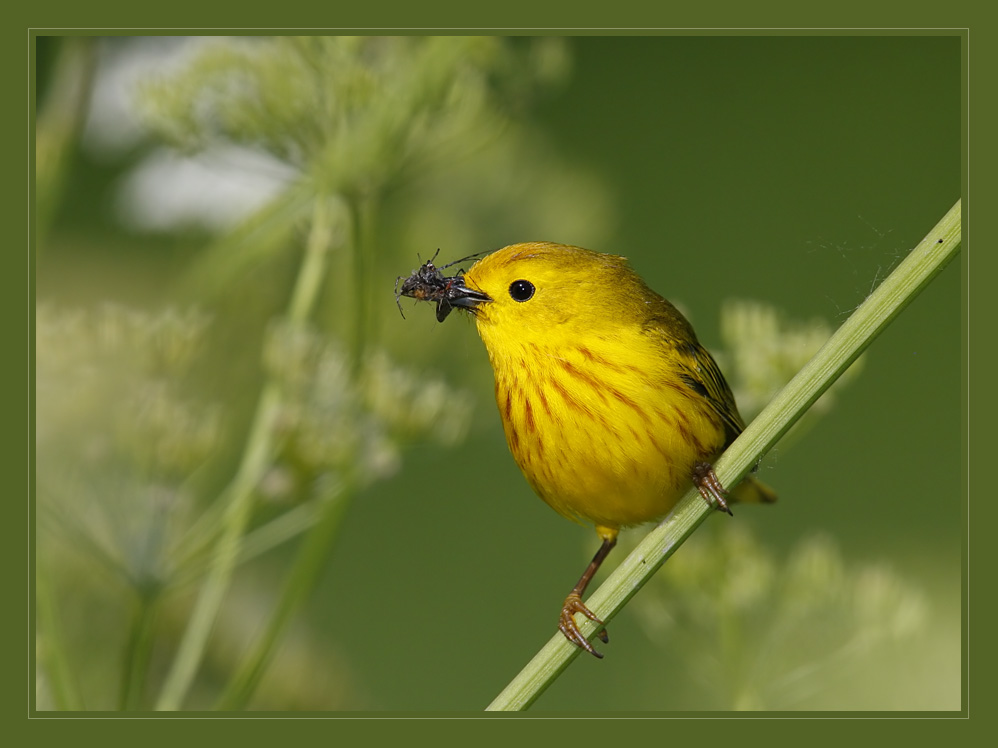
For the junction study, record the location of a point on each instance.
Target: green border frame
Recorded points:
(978, 58)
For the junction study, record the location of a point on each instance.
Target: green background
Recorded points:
(796, 170)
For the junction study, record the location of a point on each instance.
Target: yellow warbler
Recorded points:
(611, 407)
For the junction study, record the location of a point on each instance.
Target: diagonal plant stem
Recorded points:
(257, 456)
(299, 584)
(321, 536)
(870, 318)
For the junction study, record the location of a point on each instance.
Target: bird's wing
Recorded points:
(697, 368)
(701, 374)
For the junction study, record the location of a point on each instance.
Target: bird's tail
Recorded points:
(752, 491)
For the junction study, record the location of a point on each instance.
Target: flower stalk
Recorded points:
(260, 448)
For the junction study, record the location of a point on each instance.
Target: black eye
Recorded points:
(521, 290)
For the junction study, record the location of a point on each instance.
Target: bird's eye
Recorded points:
(521, 290)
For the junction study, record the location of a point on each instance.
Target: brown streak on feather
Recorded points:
(659, 447)
(544, 401)
(596, 385)
(612, 365)
(567, 397)
(631, 404)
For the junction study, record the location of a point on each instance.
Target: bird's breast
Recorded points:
(601, 437)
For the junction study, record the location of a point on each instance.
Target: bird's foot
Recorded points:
(568, 626)
(709, 486)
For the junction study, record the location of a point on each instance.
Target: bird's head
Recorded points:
(537, 287)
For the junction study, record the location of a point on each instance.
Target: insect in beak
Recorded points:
(427, 283)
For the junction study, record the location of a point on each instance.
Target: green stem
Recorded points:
(312, 272)
(316, 545)
(52, 652)
(922, 264)
(362, 211)
(299, 584)
(138, 651)
(58, 122)
(257, 455)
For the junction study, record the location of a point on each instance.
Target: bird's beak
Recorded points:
(469, 298)
(459, 295)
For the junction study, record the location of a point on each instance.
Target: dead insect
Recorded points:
(424, 284)
(427, 283)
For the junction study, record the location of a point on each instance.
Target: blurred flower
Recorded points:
(112, 129)
(116, 438)
(216, 190)
(424, 130)
(353, 113)
(118, 441)
(759, 633)
(336, 418)
(763, 350)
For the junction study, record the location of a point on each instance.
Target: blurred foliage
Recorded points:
(332, 416)
(760, 633)
(372, 153)
(116, 435)
(117, 376)
(355, 113)
(58, 121)
(763, 350)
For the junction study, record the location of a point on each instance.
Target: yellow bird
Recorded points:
(610, 405)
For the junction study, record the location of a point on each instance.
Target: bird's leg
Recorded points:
(573, 603)
(709, 486)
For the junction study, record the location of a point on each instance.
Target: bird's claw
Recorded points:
(568, 626)
(709, 486)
